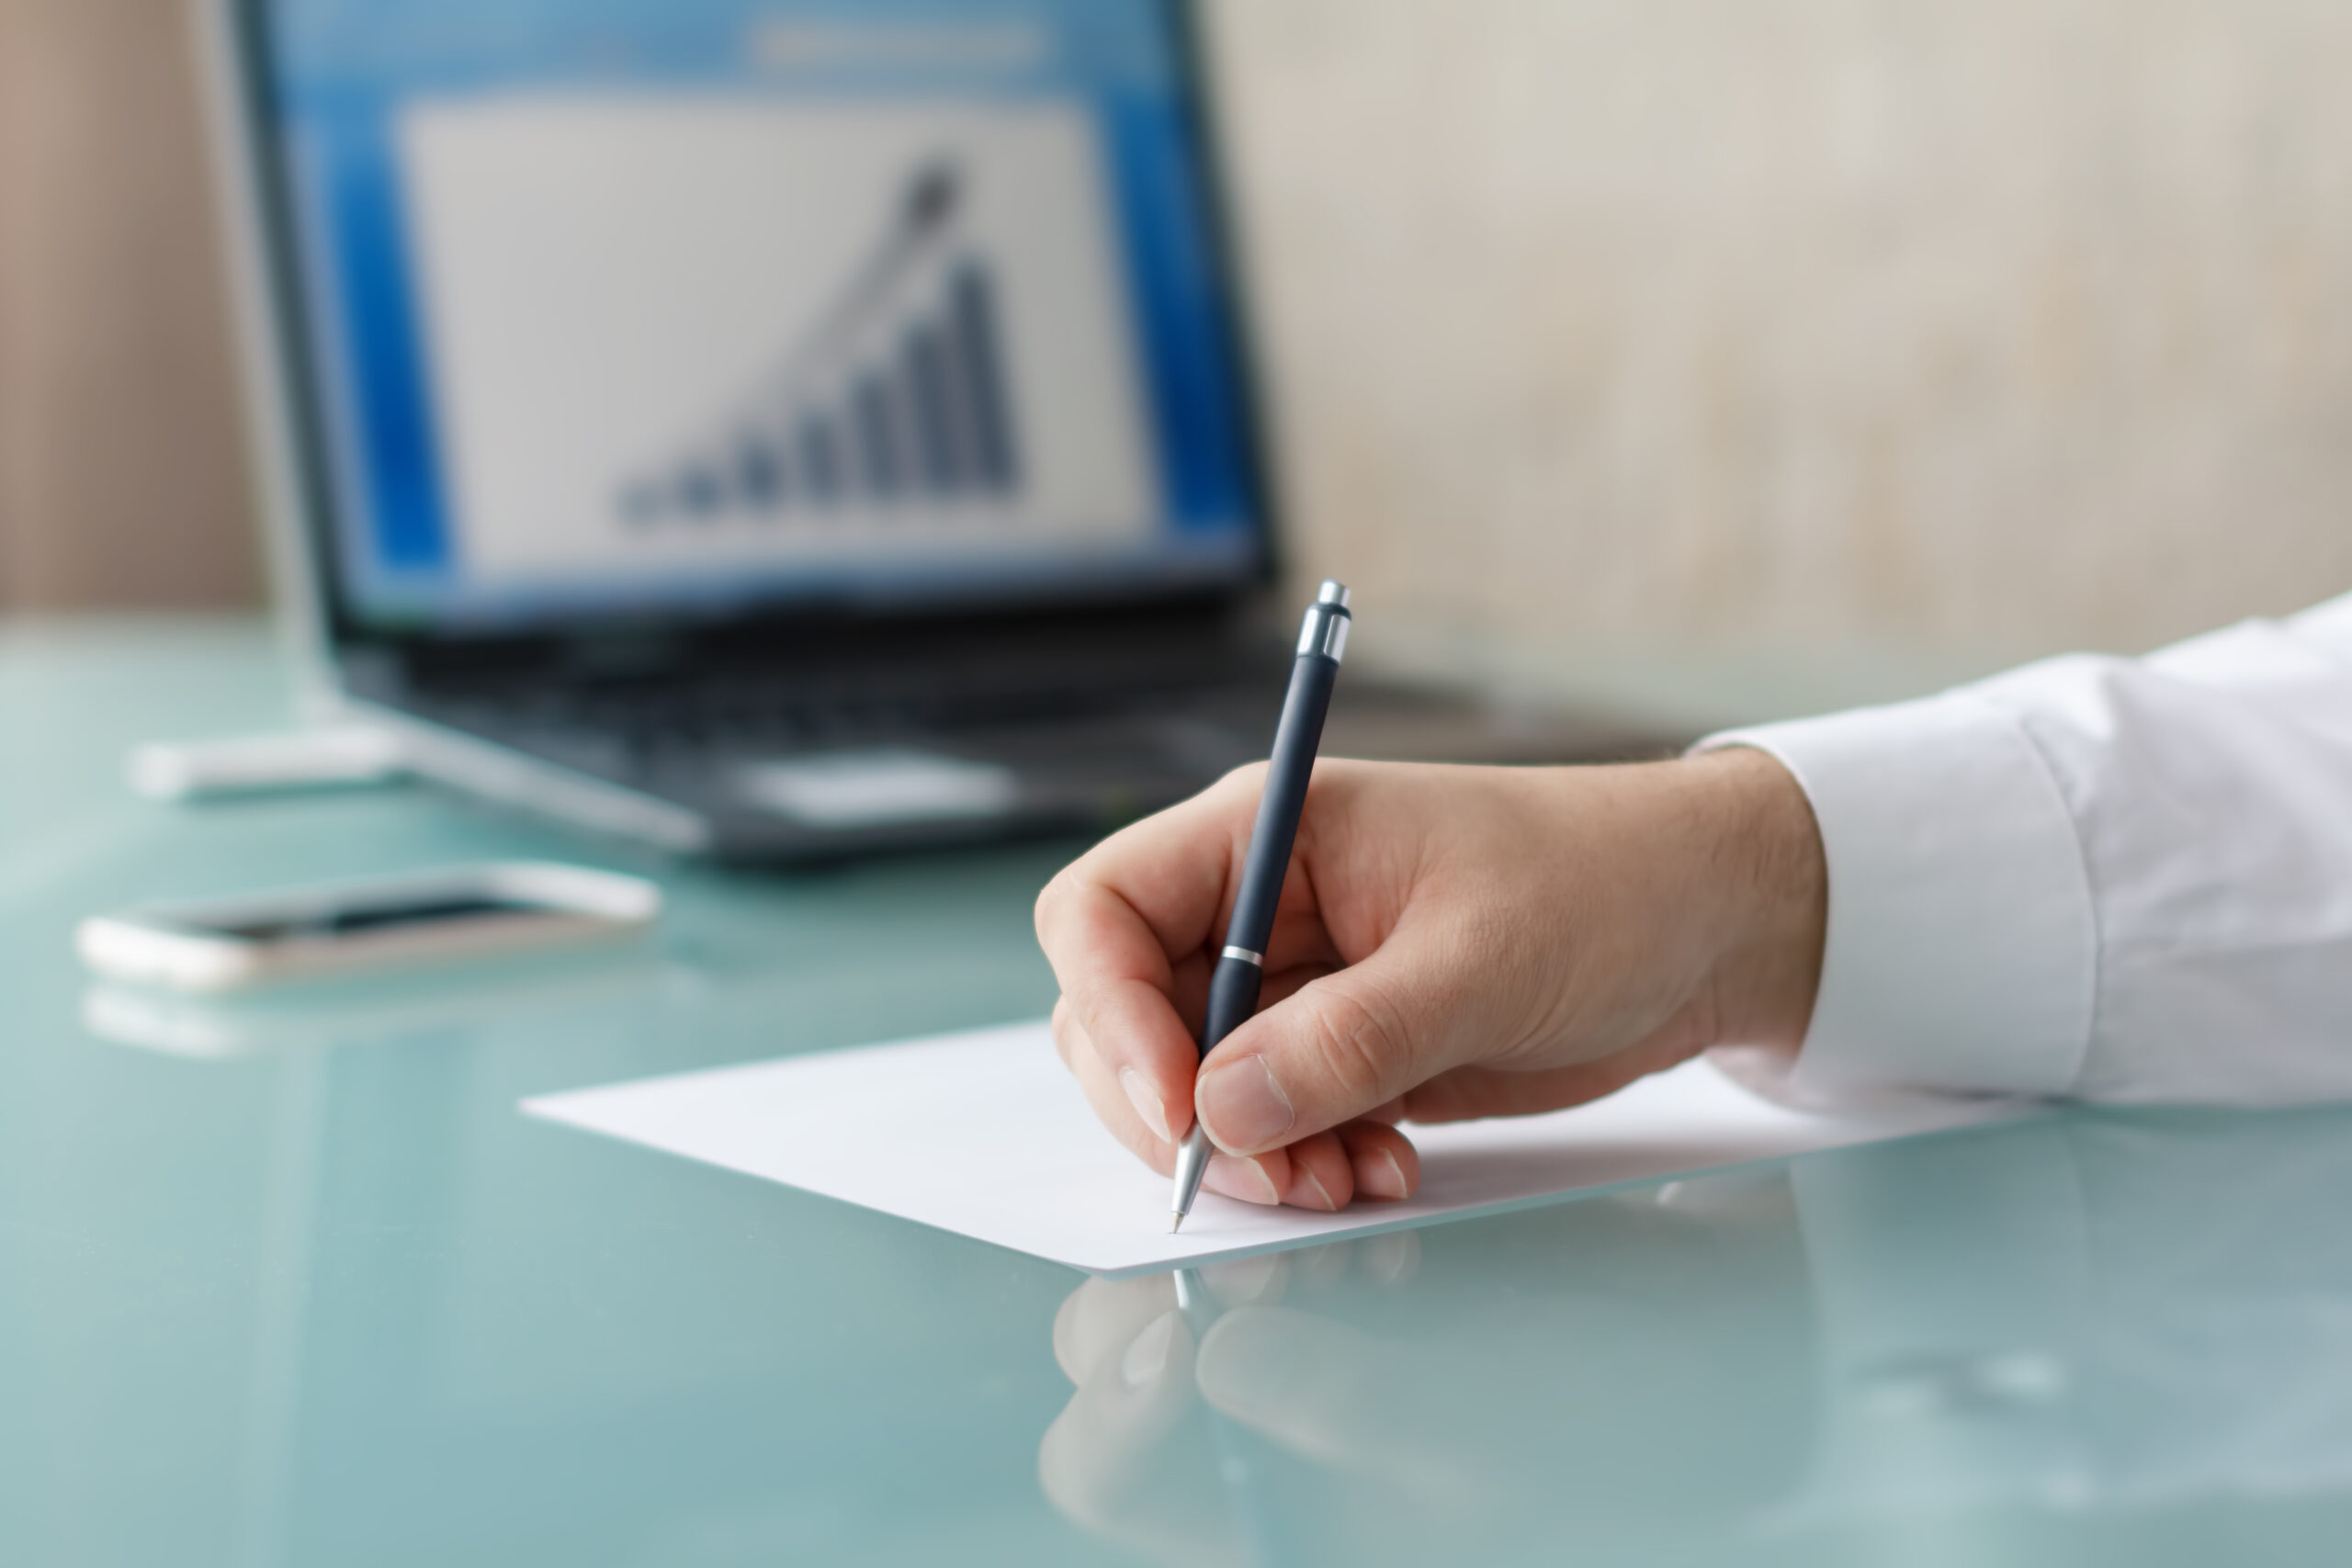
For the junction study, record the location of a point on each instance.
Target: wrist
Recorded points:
(1773, 880)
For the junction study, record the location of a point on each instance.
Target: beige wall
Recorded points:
(1746, 352)
(1765, 351)
(121, 478)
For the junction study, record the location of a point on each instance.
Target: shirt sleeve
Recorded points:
(2107, 879)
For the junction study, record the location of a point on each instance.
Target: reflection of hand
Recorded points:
(1642, 1357)
(1131, 1457)
(1110, 1460)
(1451, 943)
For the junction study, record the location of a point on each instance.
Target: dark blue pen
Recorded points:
(1241, 967)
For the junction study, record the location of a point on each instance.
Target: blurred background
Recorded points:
(1727, 357)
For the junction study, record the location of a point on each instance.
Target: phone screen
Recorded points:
(354, 918)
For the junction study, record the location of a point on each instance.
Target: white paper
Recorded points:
(985, 1134)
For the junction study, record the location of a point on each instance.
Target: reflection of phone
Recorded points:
(466, 912)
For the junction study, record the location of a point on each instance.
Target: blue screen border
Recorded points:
(350, 624)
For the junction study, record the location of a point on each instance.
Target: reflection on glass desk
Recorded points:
(2027, 1342)
(298, 1285)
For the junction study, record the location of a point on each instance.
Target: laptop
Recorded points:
(773, 430)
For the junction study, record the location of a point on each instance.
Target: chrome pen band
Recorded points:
(1256, 960)
(1324, 629)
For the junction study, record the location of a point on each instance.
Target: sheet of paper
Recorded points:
(985, 1134)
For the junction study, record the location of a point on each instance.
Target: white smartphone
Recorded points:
(469, 912)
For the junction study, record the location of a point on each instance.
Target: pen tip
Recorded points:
(1176, 1224)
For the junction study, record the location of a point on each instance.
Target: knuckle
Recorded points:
(1248, 778)
(1054, 900)
(1362, 1043)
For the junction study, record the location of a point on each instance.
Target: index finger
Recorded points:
(1172, 872)
(1114, 925)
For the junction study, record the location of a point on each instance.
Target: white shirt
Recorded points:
(2106, 879)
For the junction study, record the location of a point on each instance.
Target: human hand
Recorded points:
(1451, 943)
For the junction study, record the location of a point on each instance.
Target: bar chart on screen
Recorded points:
(898, 395)
(691, 335)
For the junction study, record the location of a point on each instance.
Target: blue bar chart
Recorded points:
(900, 397)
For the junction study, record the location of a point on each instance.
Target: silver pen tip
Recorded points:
(1176, 1224)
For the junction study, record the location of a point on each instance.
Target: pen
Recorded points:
(1240, 969)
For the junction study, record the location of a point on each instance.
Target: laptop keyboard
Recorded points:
(628, 727)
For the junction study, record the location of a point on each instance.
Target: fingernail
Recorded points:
(1148, 1357)
(1382, 1178)
(1322, 1193)
(1147, 1104)
(1242, 1105)
(1393, 1259)
(1241, 1178)
(1248, 1281)
(1321, 1266)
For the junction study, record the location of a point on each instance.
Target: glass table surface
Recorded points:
(292, 1282)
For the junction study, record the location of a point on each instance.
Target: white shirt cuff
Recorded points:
(1962, 948)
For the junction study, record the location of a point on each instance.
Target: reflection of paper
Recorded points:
(985, 1134)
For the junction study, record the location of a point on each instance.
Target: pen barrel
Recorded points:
(1297, 737)
(1233, 997)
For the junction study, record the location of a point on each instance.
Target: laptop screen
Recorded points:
(657, 306)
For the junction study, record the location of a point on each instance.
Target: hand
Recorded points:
(1451, 943)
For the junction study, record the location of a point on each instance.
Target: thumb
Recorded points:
(1338, 1048)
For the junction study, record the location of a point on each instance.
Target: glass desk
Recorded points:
(295, 1284)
